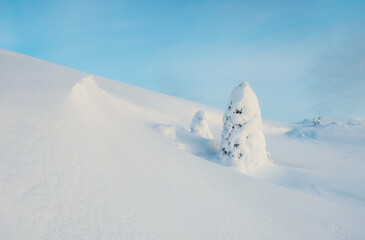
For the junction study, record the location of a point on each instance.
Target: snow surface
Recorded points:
(85, 157)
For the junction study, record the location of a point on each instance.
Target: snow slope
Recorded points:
(85, 157)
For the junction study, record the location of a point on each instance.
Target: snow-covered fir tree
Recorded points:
(243, 143)
(199, 125)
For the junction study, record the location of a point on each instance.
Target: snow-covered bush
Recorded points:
(243, 143)
(199, 125)
(317, 121)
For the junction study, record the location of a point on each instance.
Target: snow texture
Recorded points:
(86, 157)
(243, 143)
(199, 125)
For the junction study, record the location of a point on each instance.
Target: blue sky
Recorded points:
(302, 58)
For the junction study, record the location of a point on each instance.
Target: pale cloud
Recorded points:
(338, 84)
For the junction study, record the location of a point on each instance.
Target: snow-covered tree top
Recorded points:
(243, 104)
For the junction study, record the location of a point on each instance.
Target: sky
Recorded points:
(302, 58)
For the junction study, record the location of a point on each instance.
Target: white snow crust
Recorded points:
(86, 157)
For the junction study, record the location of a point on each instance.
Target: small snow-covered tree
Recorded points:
(243, 143)
(317, 121)
(199, 125)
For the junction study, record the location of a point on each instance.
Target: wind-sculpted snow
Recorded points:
(349, 132)
(199, 125)
(90, 158)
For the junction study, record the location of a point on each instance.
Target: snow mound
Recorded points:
(341, 132)
(199, 125)
(167, 130)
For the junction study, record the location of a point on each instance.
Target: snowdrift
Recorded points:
(84, 157)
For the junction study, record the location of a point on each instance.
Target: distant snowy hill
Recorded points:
(84, 157)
